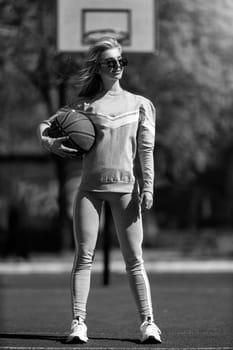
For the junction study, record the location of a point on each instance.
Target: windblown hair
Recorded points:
(88, 80)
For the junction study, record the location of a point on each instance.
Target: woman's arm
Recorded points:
(54, 144)
(146, 140)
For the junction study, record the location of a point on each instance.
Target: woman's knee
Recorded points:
(134, 264)
(84, 258)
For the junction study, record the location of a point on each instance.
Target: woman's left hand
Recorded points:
(146, 201)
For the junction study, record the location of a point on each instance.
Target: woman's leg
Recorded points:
(87, 209)
(127, 218)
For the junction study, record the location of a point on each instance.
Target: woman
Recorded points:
(125, 127)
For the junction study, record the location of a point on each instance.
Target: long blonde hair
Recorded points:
(88, 79)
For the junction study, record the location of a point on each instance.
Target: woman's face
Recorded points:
(111, 64)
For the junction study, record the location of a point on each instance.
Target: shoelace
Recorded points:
(77, 324)
(152, 324)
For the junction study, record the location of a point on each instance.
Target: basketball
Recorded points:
(77, 126)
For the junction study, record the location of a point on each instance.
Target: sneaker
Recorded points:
(150, 333)
(78, 332)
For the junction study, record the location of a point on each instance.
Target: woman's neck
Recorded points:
(112, 86)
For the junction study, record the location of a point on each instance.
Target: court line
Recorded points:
(211, 266)
(107, 347)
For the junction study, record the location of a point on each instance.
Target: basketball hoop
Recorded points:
(92, 36)
(133, 23)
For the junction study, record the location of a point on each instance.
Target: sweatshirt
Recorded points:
(125, 133)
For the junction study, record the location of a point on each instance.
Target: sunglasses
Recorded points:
(113, 63)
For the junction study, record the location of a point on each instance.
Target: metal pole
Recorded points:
(106, 244)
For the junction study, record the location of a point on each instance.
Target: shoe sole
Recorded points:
(151, 340)
(76, 340)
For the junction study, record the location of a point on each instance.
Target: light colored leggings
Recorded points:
(127, 218)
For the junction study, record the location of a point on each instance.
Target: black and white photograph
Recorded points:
(116, 174)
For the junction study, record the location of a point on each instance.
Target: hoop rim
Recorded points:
(90, 39)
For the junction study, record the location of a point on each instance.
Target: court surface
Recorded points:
(193, 309)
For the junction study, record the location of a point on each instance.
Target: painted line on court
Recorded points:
(107, 347)
(200, 266)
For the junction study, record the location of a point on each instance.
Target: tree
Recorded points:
(29, 60)
(191, 83)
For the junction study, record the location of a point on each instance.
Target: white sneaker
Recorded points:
(78, 332)
(150, 333)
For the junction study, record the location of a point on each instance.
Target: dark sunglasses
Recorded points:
(113, 63)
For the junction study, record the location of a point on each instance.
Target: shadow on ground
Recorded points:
(59, 338)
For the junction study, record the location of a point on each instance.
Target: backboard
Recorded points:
(132, 22)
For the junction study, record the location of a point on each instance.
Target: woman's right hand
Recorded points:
(56, 146)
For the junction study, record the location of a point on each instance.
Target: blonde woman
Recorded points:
(125, 127)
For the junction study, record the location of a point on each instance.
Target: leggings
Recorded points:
(127, 219)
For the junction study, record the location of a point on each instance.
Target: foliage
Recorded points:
(191, 83)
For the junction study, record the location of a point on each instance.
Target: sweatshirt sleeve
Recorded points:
(146, 141)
